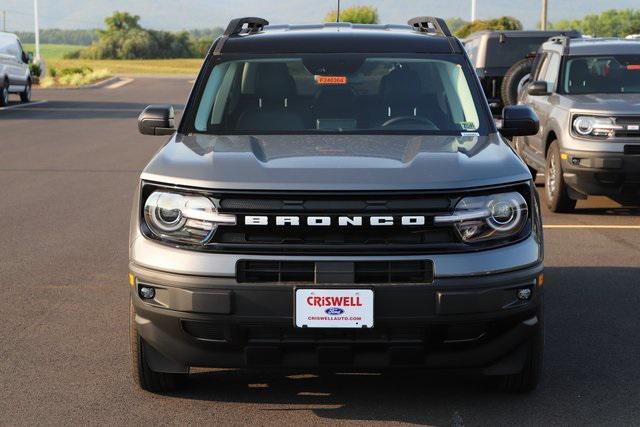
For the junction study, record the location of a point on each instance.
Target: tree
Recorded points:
(121, 21)
(610, 23)
(455, 24)
(355, 15)
(124, 38)
(504, 23)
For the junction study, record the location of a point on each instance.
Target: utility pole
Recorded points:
(474, 10)
(36, 59)
(543, 15)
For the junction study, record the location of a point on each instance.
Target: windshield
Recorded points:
(602, 74)
(346, 93)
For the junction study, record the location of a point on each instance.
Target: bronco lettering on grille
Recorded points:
(342, 221)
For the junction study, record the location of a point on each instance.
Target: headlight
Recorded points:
(183, 218)
(595, 126)
(494, 216)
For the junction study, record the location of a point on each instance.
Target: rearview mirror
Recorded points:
(538, 88)
(157, 120)
(519, 120)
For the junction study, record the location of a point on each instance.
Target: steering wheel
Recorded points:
(409, 119)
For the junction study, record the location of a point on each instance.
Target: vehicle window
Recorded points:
(551, 71)
(350, 93)
(472, 49)
(542, 64)
(5, 43)
(602, 74)
(511, 49)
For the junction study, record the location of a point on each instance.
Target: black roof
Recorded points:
(521, 33)
(339, 38)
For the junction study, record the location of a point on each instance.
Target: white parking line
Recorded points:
(119, 84)
(11, 107)
(583, 226)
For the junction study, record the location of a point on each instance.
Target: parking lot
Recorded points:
(68, 167)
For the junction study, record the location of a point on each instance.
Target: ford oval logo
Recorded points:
(334, 311)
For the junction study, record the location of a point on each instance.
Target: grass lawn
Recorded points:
(52, 51)
(134, 66)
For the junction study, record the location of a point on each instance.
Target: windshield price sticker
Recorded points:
(331, 80)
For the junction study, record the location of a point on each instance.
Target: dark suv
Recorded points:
(336, 196)
(503, 61)
(587, 95)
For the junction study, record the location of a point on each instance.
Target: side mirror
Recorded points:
(157, 120)
(538, 88)
(519, 120)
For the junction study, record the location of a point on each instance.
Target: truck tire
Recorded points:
(25, 96)
(514, 79)
(4, 94)
(145, 378)
(527, 380)
(558, 199)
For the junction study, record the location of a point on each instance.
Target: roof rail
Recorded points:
(248, 25)
(563, 40)
(430, 24)
(253, 25)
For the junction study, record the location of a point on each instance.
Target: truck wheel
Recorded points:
(4, 94)
(527, 380)
(558, 199)
(513, 81)
(147, 379)
(25, 96)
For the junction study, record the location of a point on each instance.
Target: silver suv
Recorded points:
(14, 69)
(586, 93)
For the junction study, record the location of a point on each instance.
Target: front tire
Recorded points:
(25, 96)
(4, 94)
(558, 199)
(528, 379)
(143, 375)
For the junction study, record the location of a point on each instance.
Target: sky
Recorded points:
(189, 14)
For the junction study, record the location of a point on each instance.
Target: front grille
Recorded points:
(631, 126)
(362, 272)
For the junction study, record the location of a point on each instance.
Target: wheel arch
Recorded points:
(551, 136)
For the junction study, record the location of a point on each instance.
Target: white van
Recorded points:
(14, 69)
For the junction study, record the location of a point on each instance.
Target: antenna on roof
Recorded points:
(338, 13)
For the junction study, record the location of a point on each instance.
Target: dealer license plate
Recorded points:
(334, 308)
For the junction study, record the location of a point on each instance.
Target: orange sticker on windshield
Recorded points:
(331, 80)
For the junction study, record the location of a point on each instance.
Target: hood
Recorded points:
(335, 162)
(606, 103)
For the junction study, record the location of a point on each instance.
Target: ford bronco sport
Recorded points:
(587, 95)
(336, 196)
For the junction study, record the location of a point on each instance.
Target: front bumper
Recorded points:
(468, 322)
(616, 175)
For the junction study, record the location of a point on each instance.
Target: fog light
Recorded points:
(147, 292)
(524, 294)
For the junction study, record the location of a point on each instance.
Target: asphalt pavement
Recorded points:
(68, 168)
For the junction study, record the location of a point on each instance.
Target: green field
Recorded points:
(52, 51)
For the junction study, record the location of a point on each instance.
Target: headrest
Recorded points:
(400, 85)
(579, 72)
(274, 83)
(335, 101)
